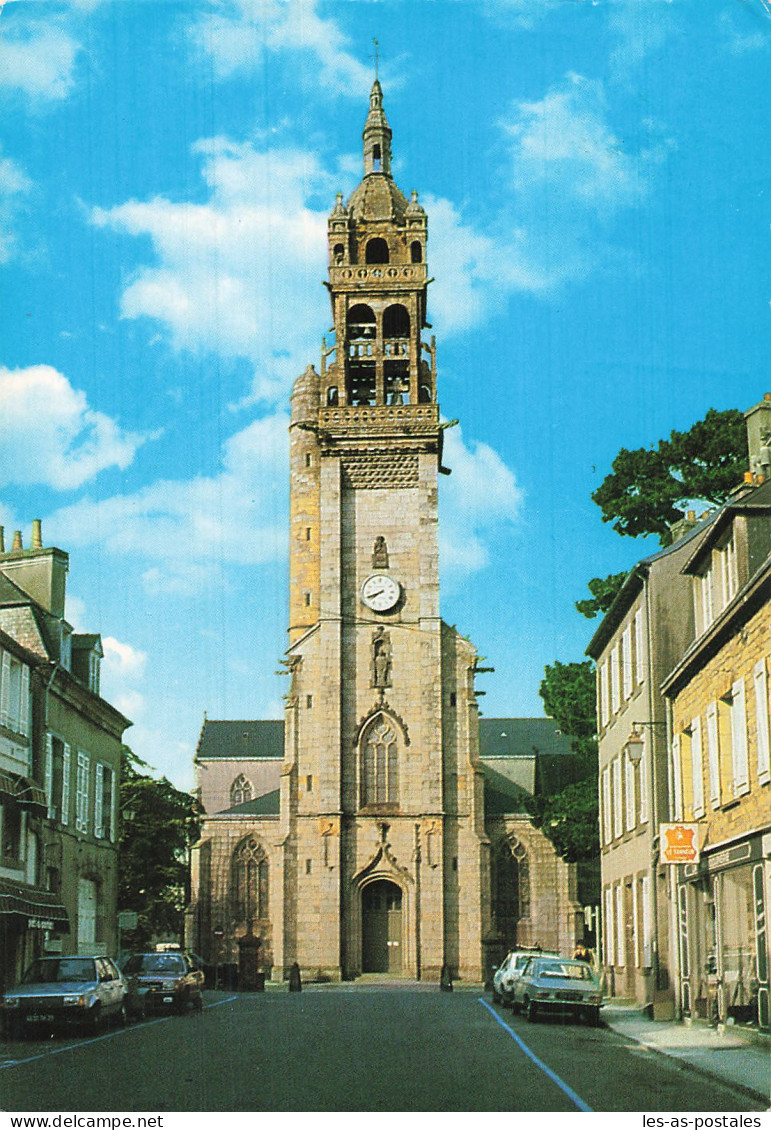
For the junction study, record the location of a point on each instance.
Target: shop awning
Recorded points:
(42, 909)
(25, 792)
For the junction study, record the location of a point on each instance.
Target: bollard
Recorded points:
(295, 981)
(445, 980)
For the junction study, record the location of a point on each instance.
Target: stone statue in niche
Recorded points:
(380, 554)
(381, 658)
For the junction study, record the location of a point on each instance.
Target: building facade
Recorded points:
(375, 856)
(720, 770)
(60, 750)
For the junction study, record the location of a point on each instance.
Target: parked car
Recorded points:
(510, 969)
(162, 982)
(75, 991)
(557, 984)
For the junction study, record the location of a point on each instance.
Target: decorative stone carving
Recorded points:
(380, 666)
(380, 554)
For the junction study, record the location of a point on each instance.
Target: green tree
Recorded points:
(569, 818)
(158, 825)
(647, 487)
(604, 591)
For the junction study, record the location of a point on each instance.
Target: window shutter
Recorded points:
(697, 767)
(647, 921)
(618, 826)
(615, 678)
(98, 800)
(620, 932)
(604, 693)
(677, 780)
(626, 661)
(49, 776)
(638, 646)
(629, 790)
(713, 753)
(24, 704)
(66, 759)
(643, 789)
(5, 688)
(760, 680)
(739, 739)
(606, 809)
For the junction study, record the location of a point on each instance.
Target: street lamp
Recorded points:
(634, 747)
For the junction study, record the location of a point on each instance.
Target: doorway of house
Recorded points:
(381, 913)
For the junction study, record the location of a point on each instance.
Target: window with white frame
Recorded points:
(82, 792)
(615, 678)
(610, 934)
(103, 806)
(630, 799)
(618, 812)
(760, 684)
(14, 694)
(635, 924)
(647, 909)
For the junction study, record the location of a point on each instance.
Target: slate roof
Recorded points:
(266, 805)
(238, 740)
(507, 737)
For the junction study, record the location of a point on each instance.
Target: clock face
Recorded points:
(380, 593)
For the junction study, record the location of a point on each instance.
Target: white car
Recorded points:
(509, 971)
(561, 985)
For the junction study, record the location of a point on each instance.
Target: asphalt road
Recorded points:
(348, 1049)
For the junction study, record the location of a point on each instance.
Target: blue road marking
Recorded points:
(574, 1098)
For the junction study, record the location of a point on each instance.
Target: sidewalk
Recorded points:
(727, 1054)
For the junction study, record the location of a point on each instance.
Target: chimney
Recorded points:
(759, 438)
(39, 572)
(683, 526)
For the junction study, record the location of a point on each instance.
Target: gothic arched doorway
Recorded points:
(381, 928)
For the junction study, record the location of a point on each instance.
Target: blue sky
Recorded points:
(596, 180)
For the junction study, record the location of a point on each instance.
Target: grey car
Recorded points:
(558, 985)
(72, 992)
(163, 982)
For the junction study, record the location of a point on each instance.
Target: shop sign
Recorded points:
(40, 924)
(127, 919)
(678, 843)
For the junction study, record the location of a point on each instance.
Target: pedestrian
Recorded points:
(295, 981)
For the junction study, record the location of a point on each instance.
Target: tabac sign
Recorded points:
(678, 843)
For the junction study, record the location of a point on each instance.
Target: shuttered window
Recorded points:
(713, 754)
(739, 739)
(697, 770)
(760, 682)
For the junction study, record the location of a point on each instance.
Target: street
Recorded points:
(351, 1049)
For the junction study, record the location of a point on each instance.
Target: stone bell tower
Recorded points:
(382, 828)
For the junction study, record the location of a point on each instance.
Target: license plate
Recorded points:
(168, 1000)
(41, 1018)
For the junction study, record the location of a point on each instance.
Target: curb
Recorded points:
(688, 1065)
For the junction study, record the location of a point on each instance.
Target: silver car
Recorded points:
(82, 992)
(510, 970)
(558, 984)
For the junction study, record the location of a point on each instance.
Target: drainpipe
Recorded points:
(417, 901)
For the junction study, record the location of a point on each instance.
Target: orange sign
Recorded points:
(679, 843)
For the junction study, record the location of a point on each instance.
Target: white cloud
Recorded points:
(237, 34)
(14, 186)
(478, 497)
(39, 60)
(50, 435)
(739, 40)
(123, 659)
(187, 531)
(231, 275)
(641, 27)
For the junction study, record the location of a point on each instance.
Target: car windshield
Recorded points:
(154, 963)
(567, 971)
(53, 969)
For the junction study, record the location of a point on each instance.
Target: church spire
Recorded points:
(377, 135)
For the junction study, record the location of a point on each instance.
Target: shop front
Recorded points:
(723, 909)
(28, 918)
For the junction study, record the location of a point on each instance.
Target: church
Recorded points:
(381, 828)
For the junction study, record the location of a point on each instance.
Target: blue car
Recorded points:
(65, 992)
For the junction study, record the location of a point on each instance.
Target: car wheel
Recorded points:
(121, 1015)
(95, 1020)
(198, 1003)
(496, 996)
(531, 1009)
(181, 1006)
(515, 1007)
(593, 1017)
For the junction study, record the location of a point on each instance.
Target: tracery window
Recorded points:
(379, 763)
(241, 790)
(510, 887)
(249, 881)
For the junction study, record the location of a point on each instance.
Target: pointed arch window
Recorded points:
(379, 756)
(249, 881)
(510, 887)
(241, 790)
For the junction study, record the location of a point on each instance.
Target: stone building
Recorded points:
(60, 748)
(720, 768)
(370, 850)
